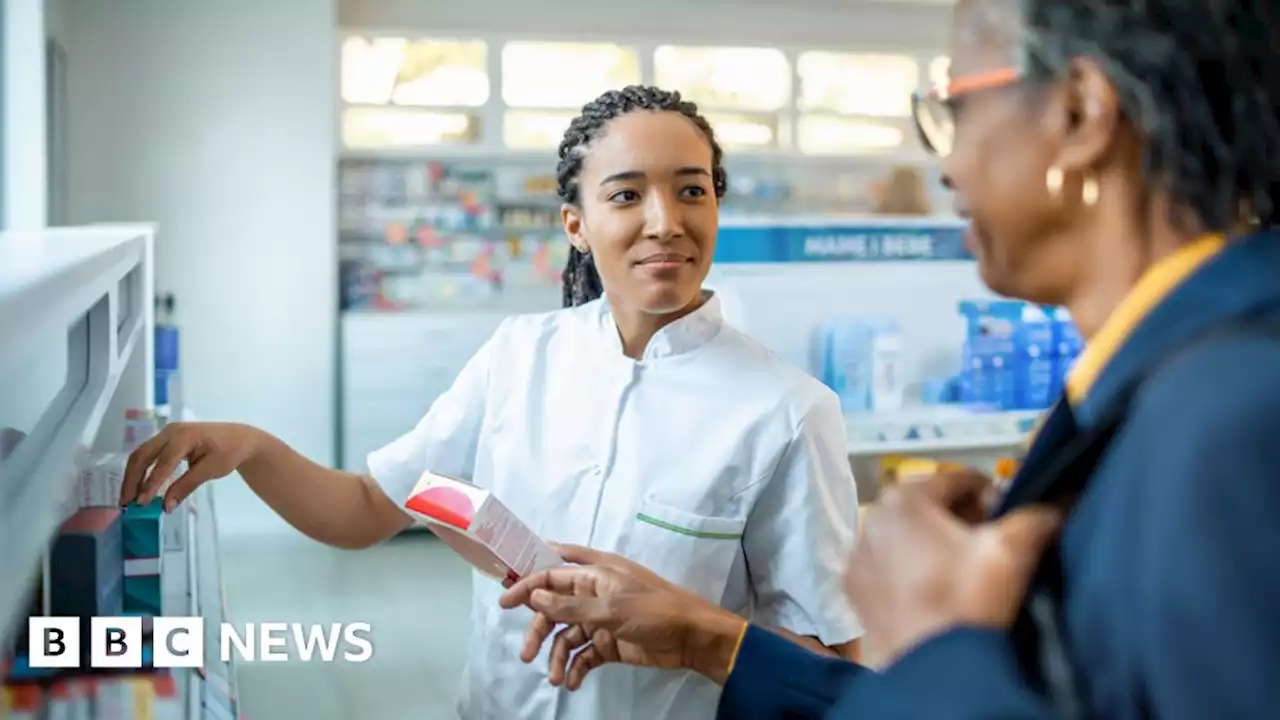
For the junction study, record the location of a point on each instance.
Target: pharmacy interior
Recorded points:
(837, 249)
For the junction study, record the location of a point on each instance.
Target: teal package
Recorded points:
(142, 529)
(142, 595)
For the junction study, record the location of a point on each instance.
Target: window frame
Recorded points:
(492, 114)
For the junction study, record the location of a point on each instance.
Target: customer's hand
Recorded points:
(966, 493)
(211, 451)
(618, 611)
(922, 567)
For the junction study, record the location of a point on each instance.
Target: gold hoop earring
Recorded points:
(1053, 181)
(1089, 192)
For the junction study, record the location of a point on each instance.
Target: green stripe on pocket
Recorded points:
(686, 531)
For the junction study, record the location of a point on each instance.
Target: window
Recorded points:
(535, 129)
(441, 73)
(738, 132)
(742, 79)
(855, 84)
(939, 71)
(828, 135)
(564, 75)
(373, 127)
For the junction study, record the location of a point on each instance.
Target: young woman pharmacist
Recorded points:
(634, 421)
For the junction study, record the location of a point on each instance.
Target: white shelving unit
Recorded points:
(936, 430)
(87, 293)
(76, 351)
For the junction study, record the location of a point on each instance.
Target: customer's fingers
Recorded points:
(556, 580)
(540, 628)
(584, 662)
(572, 610)
(567, 640)
(1024, 534)
(964, 492)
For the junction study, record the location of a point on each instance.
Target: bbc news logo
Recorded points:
(178, 642)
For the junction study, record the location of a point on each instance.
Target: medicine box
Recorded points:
(143, 546)
(86, 565)
(143, 529)
(477, 526)
(1012, 355)
(861, 359)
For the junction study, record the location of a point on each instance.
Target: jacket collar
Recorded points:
(1240, 280)
(683, 336)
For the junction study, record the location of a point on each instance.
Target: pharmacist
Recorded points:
(637, 422)
(1122, 159)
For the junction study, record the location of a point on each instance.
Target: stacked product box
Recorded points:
(86, 565)
(143, 551)
(861, 359)
(987, 377)
(1015, 354)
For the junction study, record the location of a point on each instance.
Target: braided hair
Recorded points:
(581, 279)
(1198, 79)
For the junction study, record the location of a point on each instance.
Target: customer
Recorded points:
(636, 421)
(904, 193)
(1121, 159)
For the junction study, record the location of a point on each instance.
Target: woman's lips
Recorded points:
(660, 262)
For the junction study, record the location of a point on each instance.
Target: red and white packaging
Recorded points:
(472, 522)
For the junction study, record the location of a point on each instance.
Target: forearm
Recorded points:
(333, 507)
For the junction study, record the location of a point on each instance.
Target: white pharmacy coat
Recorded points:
(710, 461)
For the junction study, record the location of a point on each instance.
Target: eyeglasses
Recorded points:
(935, 111)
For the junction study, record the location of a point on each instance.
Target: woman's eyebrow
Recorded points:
(638, 175)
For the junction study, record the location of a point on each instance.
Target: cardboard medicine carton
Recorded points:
(477, 526)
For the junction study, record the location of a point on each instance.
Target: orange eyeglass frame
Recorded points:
(932, 109)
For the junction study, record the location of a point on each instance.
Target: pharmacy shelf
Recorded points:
(937, 430)
(84, 294)
(218, 696)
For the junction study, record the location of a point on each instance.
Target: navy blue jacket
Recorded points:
(1170, 560)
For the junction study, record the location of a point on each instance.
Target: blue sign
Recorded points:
(841, 243)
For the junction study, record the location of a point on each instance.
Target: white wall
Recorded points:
(217, 121)
(24, 204)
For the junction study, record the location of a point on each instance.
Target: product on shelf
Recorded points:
(477, 526)
(1016, 354)
(446, 236)
(898, 469)
(87, 564)
(22, 702)
(143, 544)
(861, 360)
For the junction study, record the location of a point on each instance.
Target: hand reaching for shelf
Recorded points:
(211, 451)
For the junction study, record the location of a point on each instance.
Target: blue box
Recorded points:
(1036, 339)
(988, 381)
(86, 565)
(142, 594)
(1010, 354)
(143, 528)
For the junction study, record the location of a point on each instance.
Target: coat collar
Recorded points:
(1215, 287)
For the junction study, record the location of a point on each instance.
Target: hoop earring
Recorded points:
(1089, 192)
(1053, 181)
